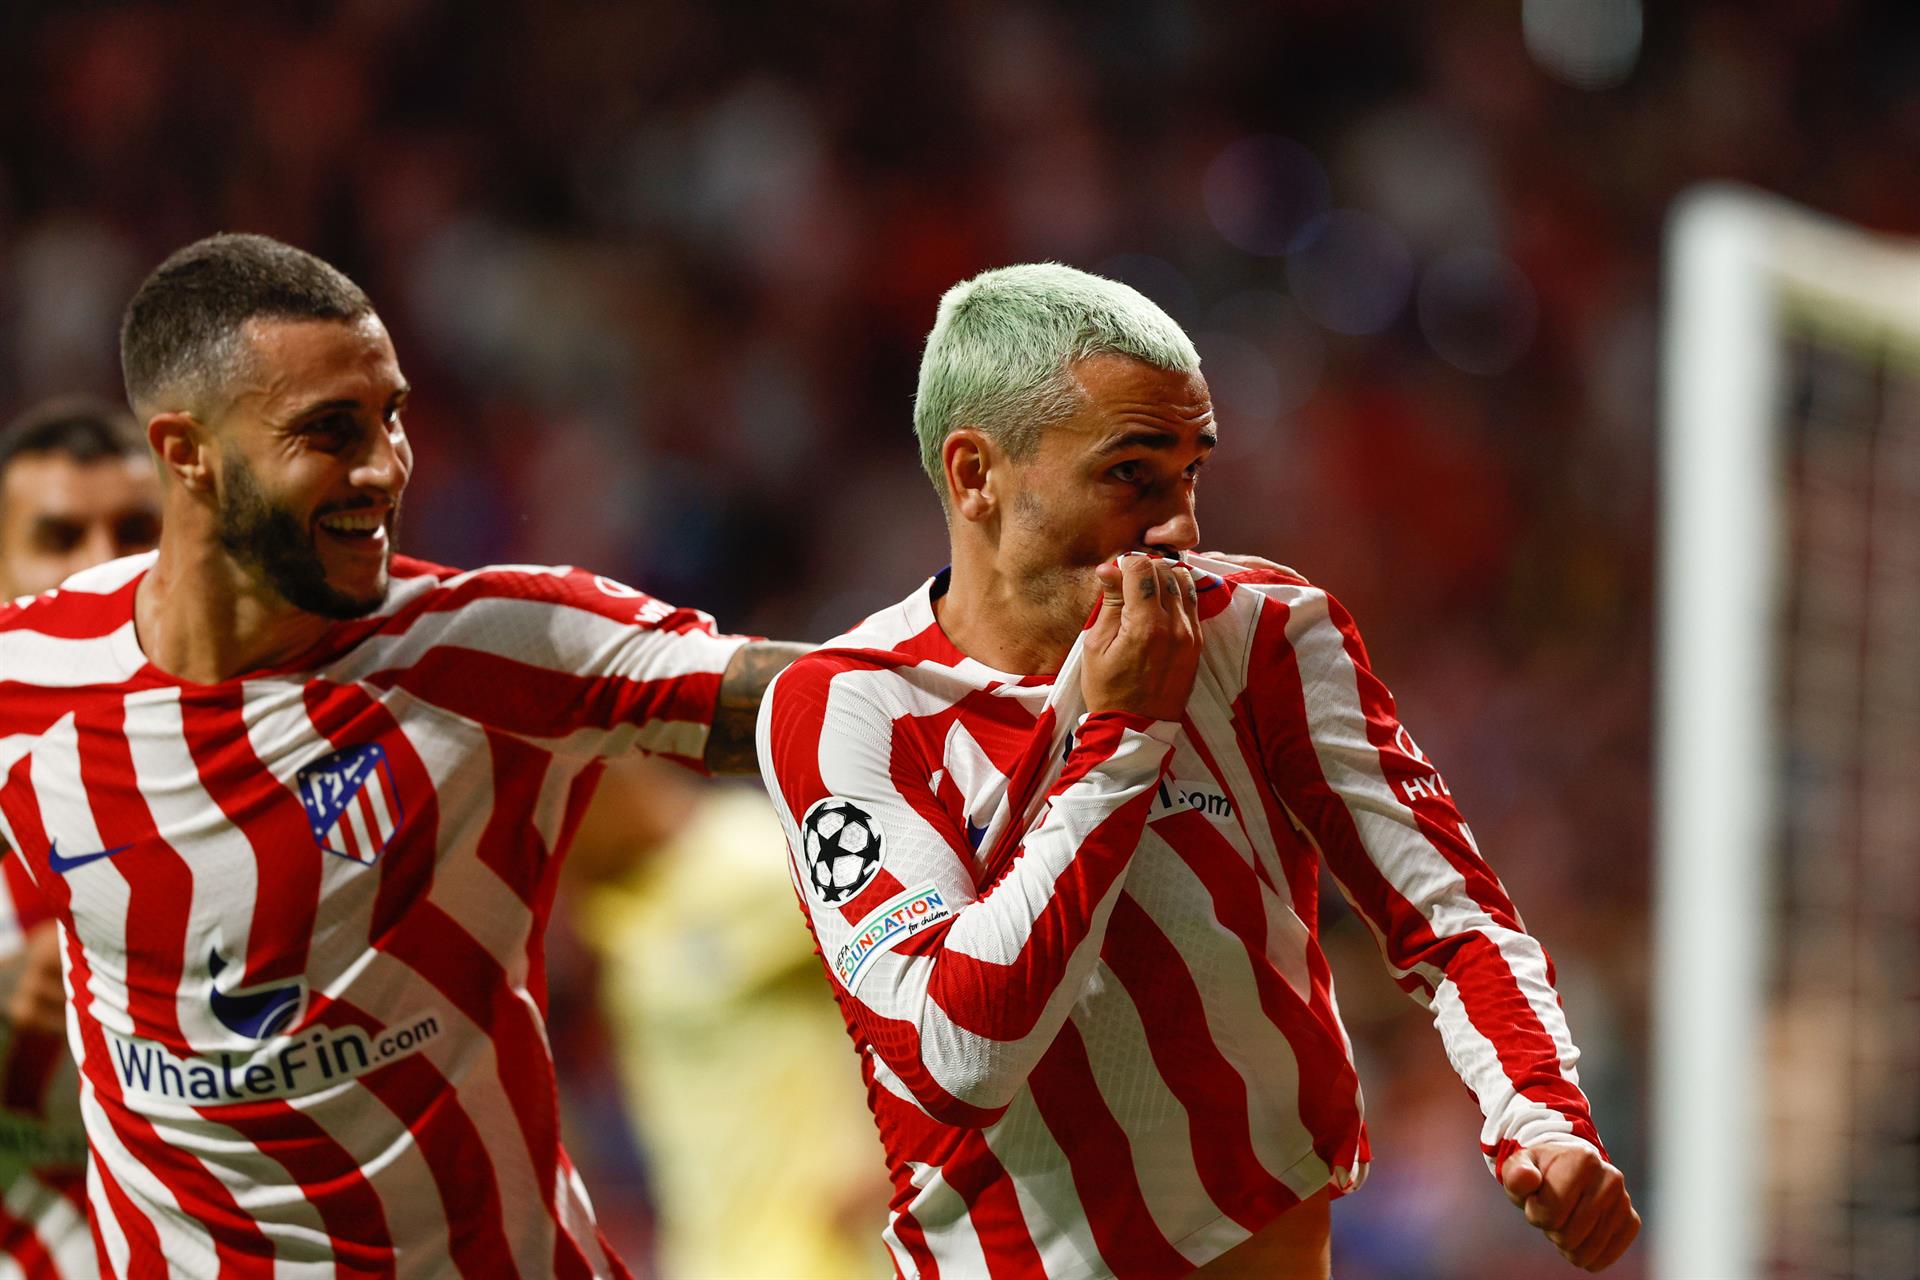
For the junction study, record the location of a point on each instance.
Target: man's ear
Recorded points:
(184, 447)
(968, 457)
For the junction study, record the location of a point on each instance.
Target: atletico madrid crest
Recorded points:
(351, 802)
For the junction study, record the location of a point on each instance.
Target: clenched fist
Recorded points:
(1568, 1191)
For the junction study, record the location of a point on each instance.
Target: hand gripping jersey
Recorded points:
(304, 912)
(1077, 952)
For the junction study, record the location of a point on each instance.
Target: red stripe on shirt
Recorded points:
(328, 1175)
(1004, 1001)
(160, 899)
(993, 1209)
(1174, 1020)
(29, 904)
(273, 822)
(1101, 1160)
(435, 946)
(508, 844)
(1329, 1089)
(907, 1230)
(424, 1100)
(145, 1259)
(73, 615)
(541, 703)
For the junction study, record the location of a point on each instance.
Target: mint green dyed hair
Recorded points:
(1001, 354)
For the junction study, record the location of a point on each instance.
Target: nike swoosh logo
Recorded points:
(64, 863)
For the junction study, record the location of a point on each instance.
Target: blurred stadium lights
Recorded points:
(1429, 173)
(1266, 194)
(1353, 277)
(1293, 348)
(1589, 44)
(1477, 310)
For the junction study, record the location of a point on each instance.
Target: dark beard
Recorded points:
(267, 538)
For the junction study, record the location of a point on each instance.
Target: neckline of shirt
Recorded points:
(924, 622)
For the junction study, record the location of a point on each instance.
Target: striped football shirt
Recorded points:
(304, 910)
(1077, 952)
(44, 1233)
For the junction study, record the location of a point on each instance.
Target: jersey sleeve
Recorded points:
(1383, 818)
(583, 664)
(959, 988)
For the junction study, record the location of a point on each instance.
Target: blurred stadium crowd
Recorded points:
(659, 276)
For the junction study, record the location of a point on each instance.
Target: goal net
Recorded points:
(1787, 934)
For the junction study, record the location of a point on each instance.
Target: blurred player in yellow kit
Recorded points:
(734, 1057)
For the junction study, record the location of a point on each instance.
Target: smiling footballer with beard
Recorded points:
(275, 764)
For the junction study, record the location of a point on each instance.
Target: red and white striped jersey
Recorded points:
(1077, 953)
(304, 912)
(43, 1155)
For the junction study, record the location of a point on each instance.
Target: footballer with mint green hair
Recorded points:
(1057, 820)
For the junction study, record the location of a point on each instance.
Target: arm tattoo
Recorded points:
(730, 744)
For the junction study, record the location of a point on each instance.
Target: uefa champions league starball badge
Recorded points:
(841, 843)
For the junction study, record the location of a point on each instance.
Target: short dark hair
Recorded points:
(181, 330)
(83, 428)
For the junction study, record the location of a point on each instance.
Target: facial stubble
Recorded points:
(269, 539)
(1061, 584)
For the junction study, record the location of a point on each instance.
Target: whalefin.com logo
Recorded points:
(885, 928)
(351, 801)
(285, 1067)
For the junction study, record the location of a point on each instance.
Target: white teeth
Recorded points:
(355, 523)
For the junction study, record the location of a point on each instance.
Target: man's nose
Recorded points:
(1179, 532)
(97, 547)
(386, 464)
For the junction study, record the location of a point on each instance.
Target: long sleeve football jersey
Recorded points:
(1077, 953)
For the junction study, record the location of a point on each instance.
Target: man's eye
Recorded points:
(330, 432)
(137, 531)
(58, 536)
(1127, 472)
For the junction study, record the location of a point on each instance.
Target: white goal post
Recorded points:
(1739, 266)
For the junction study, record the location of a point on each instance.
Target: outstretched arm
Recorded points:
(730, 744)
(1384, 820)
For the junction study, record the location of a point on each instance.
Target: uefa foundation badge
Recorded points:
(885, 928)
